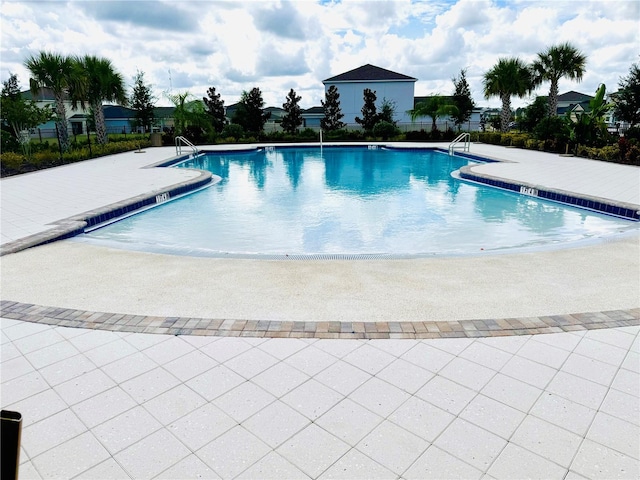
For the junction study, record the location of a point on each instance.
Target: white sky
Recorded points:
(191, 45)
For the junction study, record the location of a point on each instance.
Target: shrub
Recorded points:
(232, 130)
(632, 132)
(11, 163)
(552, 128)
(385, 130)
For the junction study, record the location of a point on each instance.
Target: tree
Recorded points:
(103, 83)
(462, 99)
(435, 107)
(332, 112)
(387, 112)
(293, 118)
(589, 128)
(533, 114)
(62, 75)
(510, 76)
(627, 99)
(21, 114)
(215, 109)
(189, 116)
(249, 113)
(142, 102)
(558, 61)
(369, 111)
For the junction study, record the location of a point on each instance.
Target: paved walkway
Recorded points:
(121, 404)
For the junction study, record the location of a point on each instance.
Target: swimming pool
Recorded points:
(349, 201)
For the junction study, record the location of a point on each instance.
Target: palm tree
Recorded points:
(61, 75)
(556, 62)
(103, 83)
(435, 107)
(510, 76)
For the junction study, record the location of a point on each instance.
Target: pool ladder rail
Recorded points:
(180, 141)
(464, 139)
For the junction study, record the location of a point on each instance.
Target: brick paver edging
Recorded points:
(65, 317)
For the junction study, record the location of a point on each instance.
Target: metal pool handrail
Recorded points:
(182, 140)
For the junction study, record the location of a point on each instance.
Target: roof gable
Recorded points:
(574, 97)
(369, 73)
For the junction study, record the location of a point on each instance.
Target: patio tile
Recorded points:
(126, 429)
(342, 377)
(627, 381)
(67, 369)
(280, 379)
(349, 421)
(24, 329)
(467, 373)
(150, 384)
(450, 345)
(589, 369)
(276, 423)
(272, 467)
(311, 360)
(436, 463)
(510, 344)
(15, 367)
(597, 461)
(22, 387)
(162, 353)
(406, 376)
(27, 471)
(173, 404)
(421, 418)
(397, 348)
(110, 352)
(612, 336)
(50, 432)
(563, 413)
(528, 371)
(38, 407)
(313, 450)
(577, 389)
(379, 396)
(493, 416)
(564, 341)
(547, 440)
(369, 359)
(9, 351)
(215, 382)
(251, 363)
(632, 362)
(282, 348)
(52, 354)
(103, 407)
(623, 406)
(225, 348)
(84, 386)
(513, 460)
(85, 451)
(428, 357)
(446, 394)
(312, 399)
(604, 352)
(511, 392)
(143, 341)
(471, 444)
(243, 401)
(189, 467)
(545, 354)
(107, 469)
(486, 355)
(233, 452)
(616, 434)
(354, 465)
(129, 367)
(152, 455)
(201, 426)
(92, 339)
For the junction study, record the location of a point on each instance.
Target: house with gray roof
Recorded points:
(394, 87)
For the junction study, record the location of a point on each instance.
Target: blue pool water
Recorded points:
(348, 201)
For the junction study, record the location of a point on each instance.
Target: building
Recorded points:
(393, 87)
(76, 117)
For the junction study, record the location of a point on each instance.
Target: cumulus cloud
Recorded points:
(152, 14)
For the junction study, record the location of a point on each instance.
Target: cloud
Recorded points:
(275, 63)
(151, 14)
(281, 21)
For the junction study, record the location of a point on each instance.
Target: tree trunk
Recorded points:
(61, 121)
(101, 128)
(553, 98)
(505, 114)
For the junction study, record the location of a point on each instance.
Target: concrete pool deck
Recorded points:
(122, 404)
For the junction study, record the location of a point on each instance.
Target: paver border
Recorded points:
(118, 322)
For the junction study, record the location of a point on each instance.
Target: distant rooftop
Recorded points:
(574, 97)
(369, 73)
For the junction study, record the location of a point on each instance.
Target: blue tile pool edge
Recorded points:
(627, 211)
(76, 225)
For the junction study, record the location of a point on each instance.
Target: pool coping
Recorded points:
(119, 322)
